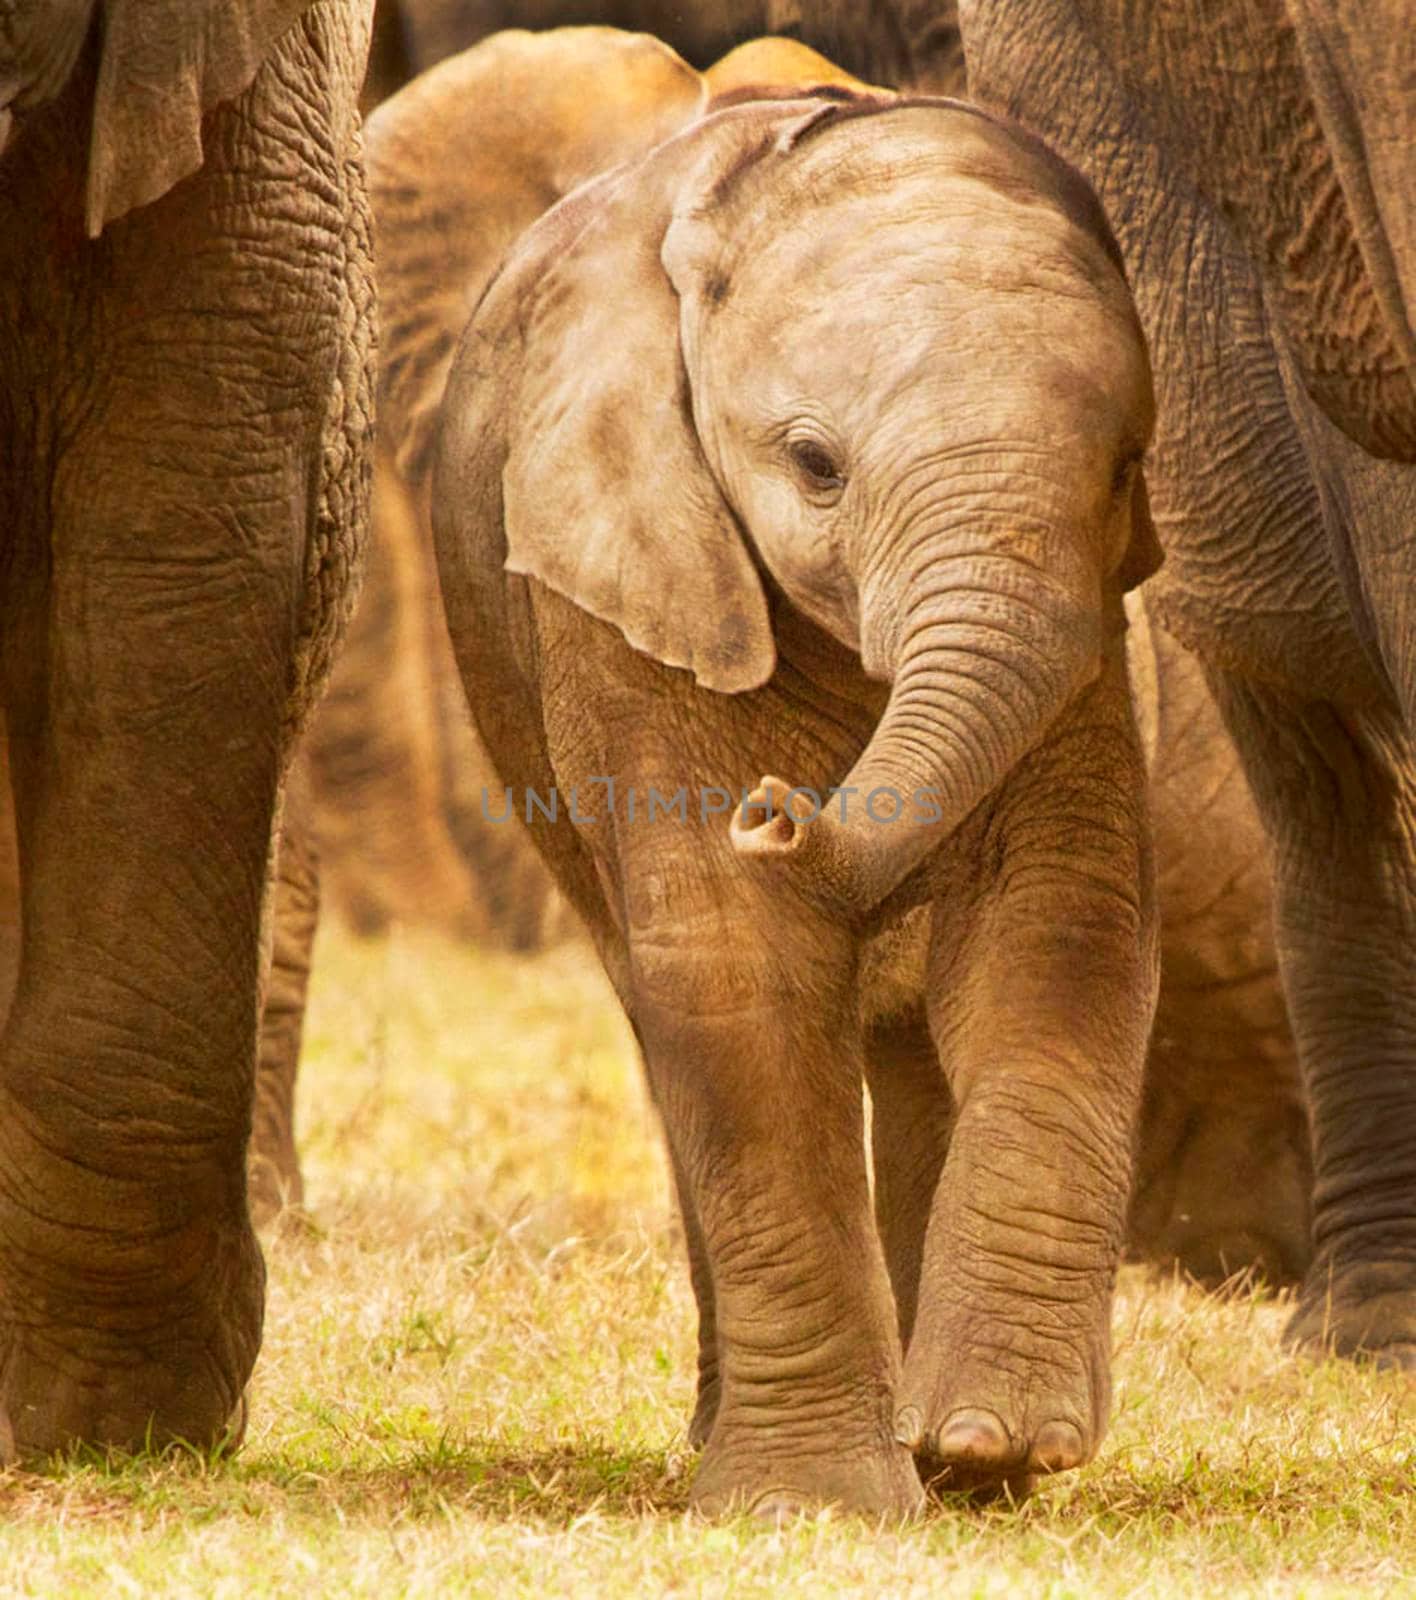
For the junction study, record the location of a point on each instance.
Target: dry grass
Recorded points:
(478, 1367)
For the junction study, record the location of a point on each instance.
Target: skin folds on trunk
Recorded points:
(989, 653)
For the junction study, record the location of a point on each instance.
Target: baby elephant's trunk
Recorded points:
(989, 654)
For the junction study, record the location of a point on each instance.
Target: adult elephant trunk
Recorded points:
(984, 651)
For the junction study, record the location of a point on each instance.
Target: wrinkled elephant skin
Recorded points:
(183, 460)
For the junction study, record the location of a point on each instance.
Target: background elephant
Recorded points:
(911, 533)
(412, 35)
(907, 43)
(185, 409)
(274, 1180)
(396, 772)
(917, 43)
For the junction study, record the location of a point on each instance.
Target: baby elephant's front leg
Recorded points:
(1042, 985)
(753, 1053)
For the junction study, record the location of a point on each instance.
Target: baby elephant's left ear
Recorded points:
(1144, 555)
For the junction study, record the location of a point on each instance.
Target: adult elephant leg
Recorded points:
(1041, 989)
(130, 1283)
(274, 1180)
(1224, 1171)
(745, 1011)
(912, 1114)
(191, 516)
(1337, 790)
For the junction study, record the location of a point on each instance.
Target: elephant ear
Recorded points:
(1144, 555)
(37, 53)
(444, 221)
(165, 64)
(607, 496)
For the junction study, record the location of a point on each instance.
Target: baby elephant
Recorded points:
(809, 445)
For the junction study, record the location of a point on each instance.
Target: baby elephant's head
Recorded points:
(884, 348)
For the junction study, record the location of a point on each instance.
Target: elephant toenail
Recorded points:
(909, 1427)
(1057, 1448)
(775, 1507)
(974, 1436)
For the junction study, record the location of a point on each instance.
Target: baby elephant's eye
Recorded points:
(819, 471)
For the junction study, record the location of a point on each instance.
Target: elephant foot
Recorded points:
(50, 1404)
(746, 1472)
(92, 1353)
(137, 1395)
(988, 1432)
(1365, 1310)
(972, 1450)
(41, 1433)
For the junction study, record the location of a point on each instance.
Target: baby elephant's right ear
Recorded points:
(607, 497)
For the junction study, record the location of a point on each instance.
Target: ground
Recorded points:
(478, 1367)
